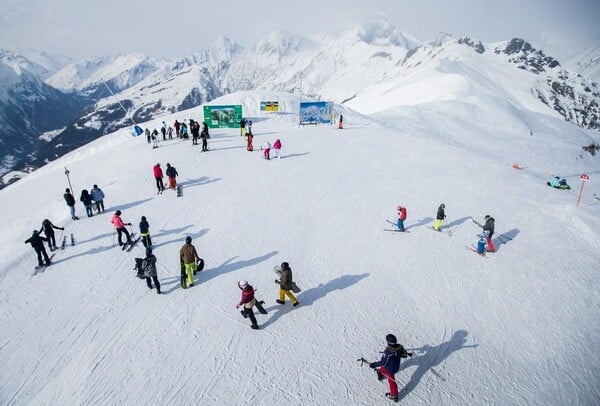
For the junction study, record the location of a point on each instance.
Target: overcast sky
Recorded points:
(83, 28)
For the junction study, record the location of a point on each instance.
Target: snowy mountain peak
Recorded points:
(381, 32)
(278, 43)
(526, 56)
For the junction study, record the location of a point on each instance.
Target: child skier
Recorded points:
(249, 138)
(145, 232)
(488, 228)
(481, 244)
(149, 266)
(389, 364)
(439, 217)
(248, 301)
(285, 285)
(277, 149)
(401, 217)
(266, 147)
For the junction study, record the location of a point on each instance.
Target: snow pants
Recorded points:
(51, 241)
(400, 224)
(159, 184)
(41, 251)
(156, 283)
(123, 230)
(490, 244)
(146, 240)
(288, 293)
(72, 211)
(277, 153)
(391, 381)
(247, 312)
(189, 270)
(172, 182)
(437, 225)
(266, 152)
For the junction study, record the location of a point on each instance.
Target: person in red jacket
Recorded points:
(120, 227)
(248, 301)
(277, 149)
(401, 217)
(158, 176)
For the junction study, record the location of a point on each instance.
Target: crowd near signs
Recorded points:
(316, 112)
(223, 116)
(269, 106)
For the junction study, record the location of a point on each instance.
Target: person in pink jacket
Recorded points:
(277, 149)
(120, 227)
(158, 176)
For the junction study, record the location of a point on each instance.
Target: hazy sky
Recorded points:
(82, 28)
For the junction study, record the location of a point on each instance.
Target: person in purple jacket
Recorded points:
(389, 364)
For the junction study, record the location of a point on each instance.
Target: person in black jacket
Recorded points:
(145, 232)
(149, 267)
(204, 135)
(439, 217)
(86, 199)
(488, 228)
(172, 175)
(71, 203)
(37, 242)
(48, 229)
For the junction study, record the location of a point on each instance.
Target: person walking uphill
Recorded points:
(285, 284)
(145, 232)
(149, 267)
(188, 256)
(120, 227)
(248, 301)
(440, 216)
(158, 176)
(37, 242)
(71, 203)
(389, 364)
(172, 175)
(48, 229)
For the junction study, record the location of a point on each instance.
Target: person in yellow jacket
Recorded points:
(189, 256)
(285, 285)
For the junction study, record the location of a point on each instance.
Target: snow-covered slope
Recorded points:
(517, 327)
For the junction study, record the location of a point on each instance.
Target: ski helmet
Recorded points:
(487, 216)
(118, 212)
(443, 206)
(285, 265)
(242, 284)
(188, 239)
(35, 232)
(391, 339)
(398, 207)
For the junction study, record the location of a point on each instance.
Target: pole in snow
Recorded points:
(583, 178)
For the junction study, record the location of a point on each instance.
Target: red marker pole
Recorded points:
(584, 178)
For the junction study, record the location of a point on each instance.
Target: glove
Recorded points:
(276, 281)
(128, 224)
(237, 306)
(372, 365)
(410, 354)
(62, 228)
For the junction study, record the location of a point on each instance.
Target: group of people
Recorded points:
(158, 177)
(182, 130)
(266, 149)
(95, 199)
(37, 241)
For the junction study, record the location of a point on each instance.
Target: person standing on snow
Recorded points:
(149, 267)
(98, 197)
(86, 199)
(285, 284)
(148, 136)
(120, 227)
(145, 232)
(48, 229)
(488, 229)
(440, 216)
(401, 217)
(266, 148)
(37, 242)
(158, 176)
(243, 127)
(188, 256)
(204, 135)
(163, 130)
(341, 122)
(176, 125)
(248, 301)
(71, 203)
(172, 175)
(389, 364)
(277, 149)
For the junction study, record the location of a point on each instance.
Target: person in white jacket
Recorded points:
(266, 148)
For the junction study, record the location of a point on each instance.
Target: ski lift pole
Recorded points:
(69, 180)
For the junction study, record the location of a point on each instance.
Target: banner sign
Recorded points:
(223, 116)
(316, 112)
(269, 106)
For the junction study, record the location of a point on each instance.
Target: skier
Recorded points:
(440, 216)
(149, 266)
(249, 139)
(48, 229)
(158, 176)
(70, 200)
(481, 244)
(176, 125)
(120, 227)
(204, 135)
(341, 122)
(401, 217)
(248, 301)
(184, 131)
(488, 229)
(170, 132)
(189, 256)
(148, 136)
(205, 128)
(172, 174)
(37, 242)
(249, 127)
(243, 127)
(163, 130)
(195, 129)
(389, 364)
(145, 232)
(86, 199)
(285, 284)
(98, 197)
(266, 148)
(277, 149)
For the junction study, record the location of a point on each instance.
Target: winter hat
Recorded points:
(285, 265)
(118, 212)
(243, 283)
(398, 207)
(35, 232)
(391, 339)
(487, 216)
(188, 239)
(143, 218)
(443, 206)
(95, 185)
(67, 190)
(148, 251)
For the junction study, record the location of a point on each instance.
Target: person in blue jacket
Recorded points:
(389, 364)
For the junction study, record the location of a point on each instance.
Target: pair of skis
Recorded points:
(397, 230)
(128, 246)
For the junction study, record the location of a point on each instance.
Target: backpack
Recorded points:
(139, 268)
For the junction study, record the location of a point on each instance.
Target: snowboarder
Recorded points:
(172, 174)
(48, 229)
(277, 149)
(37, 242)
(149, 266)
(204, 135)
(98, 197)
(558, 183)
(243, 127)
(145, 232)
(120, 227)
(341, 122)
(266, 148)
(440, 216)
(86, 199)
(71, 203)
(188, 256)
(488, 229)
(401, 217)
(389, 364)
(285, 284)
(158, 176)
(248, 301)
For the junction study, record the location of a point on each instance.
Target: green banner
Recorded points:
(223, 116)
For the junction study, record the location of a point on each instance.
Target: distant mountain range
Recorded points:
(50, 106)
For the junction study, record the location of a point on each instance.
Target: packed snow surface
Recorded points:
(520, 326)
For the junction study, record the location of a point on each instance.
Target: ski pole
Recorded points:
(446, 225)
(113, 244)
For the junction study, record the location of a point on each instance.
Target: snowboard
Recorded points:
(395, 229)
(295, 287)
(179, 190)
(259, 305)
(40, 269)
(199, 266)
(132, 244)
